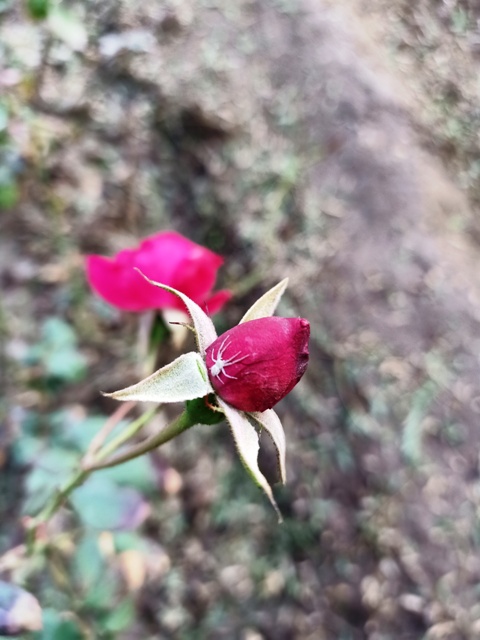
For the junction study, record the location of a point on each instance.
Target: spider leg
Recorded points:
(228, 376)
(230, 361)
(225, 344)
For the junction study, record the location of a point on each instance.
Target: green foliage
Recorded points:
(412, 428)
(9, 192)
(58, 626)
(111, 499)
(57, 352)
(95, 605)
(38, 9)
(104, 505)
(199, 411)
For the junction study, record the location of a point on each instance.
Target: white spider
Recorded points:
(219, 363)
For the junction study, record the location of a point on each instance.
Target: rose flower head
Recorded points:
(167, 257)
(248, 369)
(255, 364)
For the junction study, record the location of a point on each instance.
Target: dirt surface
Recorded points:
(333, 144)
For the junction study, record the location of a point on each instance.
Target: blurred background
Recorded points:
(335, 143)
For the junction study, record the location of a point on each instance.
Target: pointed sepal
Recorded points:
(269, 421)
(265, 306)
(204, 329)
(246, 441)
(185, 378)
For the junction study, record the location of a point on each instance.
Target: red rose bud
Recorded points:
(255, 364)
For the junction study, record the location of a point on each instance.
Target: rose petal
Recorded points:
(165, 257)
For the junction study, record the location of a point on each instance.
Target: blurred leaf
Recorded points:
(68, 27)
(128, 540)
(38, 9)
(5, 5)
(121, 617)
(58, 333)
(57, 626)
(52, 467)
(138, 473)
(67, 364)
(102, 593)
(9, 194)
(3, 117)
(77, 433)
(412, 426)
(26, 450)
(57, 352)
(88, 562)
(103, 505)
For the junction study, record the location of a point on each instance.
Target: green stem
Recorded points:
(180, 424)
(175, 428)
(54, 504)
(122, 437)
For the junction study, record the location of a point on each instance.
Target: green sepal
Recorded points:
(199, 412)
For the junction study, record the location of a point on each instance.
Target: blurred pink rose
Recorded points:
(165, 257)
(255, 364)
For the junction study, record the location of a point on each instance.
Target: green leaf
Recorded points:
(269, 421)
(204, 329)
(103, 505)
(246, 441)
(200, 413)
(3, 118)
(183, 379)
(67, 364)
(58, 333)
(120, 618)
(58, 626)
(26, 449)
(57, 351)
(412, 427)
(78, 433)
(9, 194)
(265, 306)
(51, 468)
(38, 9)
(138, 473)
(88, 562)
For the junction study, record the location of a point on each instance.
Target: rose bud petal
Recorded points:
(165, 257)
(255, 364)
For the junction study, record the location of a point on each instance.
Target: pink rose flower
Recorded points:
(166, 257)
(255, 364)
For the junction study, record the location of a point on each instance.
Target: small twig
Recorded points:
(107, 428)
(180, 424)
(127, 433)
